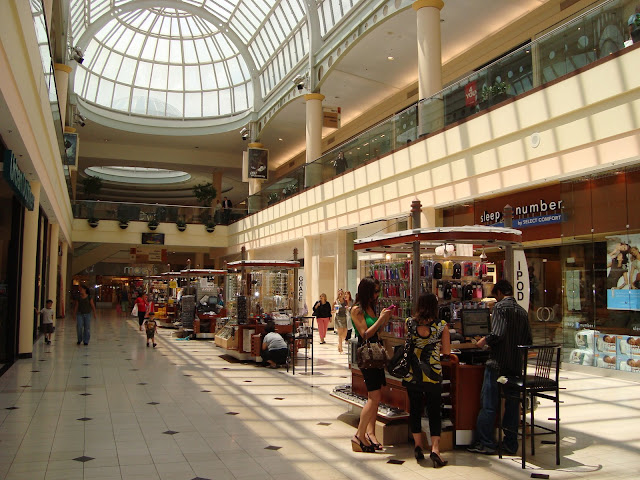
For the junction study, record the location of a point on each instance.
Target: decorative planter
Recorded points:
(93, 223)
(209, 228)
(123, 225)
(152, 226)
(182, 228)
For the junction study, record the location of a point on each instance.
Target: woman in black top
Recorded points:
(322, 311)
(82, 309)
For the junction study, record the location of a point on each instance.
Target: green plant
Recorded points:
(91, 186)
(273, 198)
(210, 225)
(181, 224)
(493, 90)
(153, 224)
(93, 222)
(205, 193)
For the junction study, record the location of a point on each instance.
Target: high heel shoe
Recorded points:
(376, 446)
(417, 452)
(358, 446)
(437, 461)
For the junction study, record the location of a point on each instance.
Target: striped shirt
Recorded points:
(509, 328)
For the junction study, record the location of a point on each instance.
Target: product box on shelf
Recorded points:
(628, 364)
(628, 345)
(605, 343)
(581, 357)
(604, 360)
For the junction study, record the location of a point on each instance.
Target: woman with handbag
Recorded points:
(322, 312)
(424, 383)
(367, 325)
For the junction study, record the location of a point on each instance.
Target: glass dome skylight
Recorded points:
(163, 62)
(138, 175)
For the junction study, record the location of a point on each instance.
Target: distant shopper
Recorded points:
(142, 305)
(349, 303)
(83, 307)
(424, 386)
(150, 327)
(124, 301)
(47, 321)
(509, 328)
(634, 25)
(340, 324)
(322, 312)
(274, 348)
(226, 210)
(340, 163)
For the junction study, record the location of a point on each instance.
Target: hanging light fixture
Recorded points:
(483, 256)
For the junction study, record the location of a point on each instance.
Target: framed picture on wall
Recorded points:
(153, 238)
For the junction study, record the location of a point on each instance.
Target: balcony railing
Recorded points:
(591, 36)
(145, 212)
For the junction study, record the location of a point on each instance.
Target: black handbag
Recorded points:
(400, 364)
(371, 355)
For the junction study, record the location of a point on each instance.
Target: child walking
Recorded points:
(47, 321)
(151, 326)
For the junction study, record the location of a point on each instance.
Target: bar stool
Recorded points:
(542, 382)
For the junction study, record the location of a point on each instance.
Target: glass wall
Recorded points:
(600, 261)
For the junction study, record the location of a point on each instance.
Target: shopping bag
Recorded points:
(134, 312)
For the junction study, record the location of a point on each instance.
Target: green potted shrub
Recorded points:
(153, 224)
(93, 221)
(210, 225)
(181, 224)
(205, 193)
(123, 222)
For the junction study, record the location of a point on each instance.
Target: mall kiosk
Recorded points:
(442, 261)
(207, 286)
(256, 290)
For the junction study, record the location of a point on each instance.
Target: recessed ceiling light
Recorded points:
(389, 57)
(106, 140)
(279, 139)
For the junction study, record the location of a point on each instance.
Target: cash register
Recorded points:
(474, 323)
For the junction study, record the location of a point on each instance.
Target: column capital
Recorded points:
(418, 4)
(313, 96)
(62, 67)
(69, 130)
(255, 145)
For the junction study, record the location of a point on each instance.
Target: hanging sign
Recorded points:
(331, 117)
(521, 279)
(470, 94)
(17, 180)
(258, 163)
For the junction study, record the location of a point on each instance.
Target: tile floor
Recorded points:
(118, 410)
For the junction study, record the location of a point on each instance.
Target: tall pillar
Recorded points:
(52, 282)
(61, 72)
(216, 181)
(342, 256)
(63, 279)
(199, 257)
(28, 280)
(254, 202)
(48, 12)
(431, 115)
(313, 173)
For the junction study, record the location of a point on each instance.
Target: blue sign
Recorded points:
(17, 180)
(533, 221)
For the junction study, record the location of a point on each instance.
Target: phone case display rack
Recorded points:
(398, 280)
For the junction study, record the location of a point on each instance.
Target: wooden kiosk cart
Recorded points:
(166, 312)
(208, 285)
(257, 289)
(405, 264)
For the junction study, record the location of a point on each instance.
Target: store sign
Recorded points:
(521, 279)
(141, 270)
(300, 291)
(538, 207)
(520, 223)
(470, 94)
(331, 117)
(17, 180)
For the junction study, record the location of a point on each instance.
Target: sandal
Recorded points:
(375, 445)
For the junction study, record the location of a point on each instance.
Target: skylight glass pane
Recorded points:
(210, 104)
(175, 104)
(121, 97)
(143, 74)
(208, 79)
(159, 76)
(192, 78)
(175, 51)
(105, 92)
(127, 70)
(139, 101)
(221, 75)
(225, 102)
(193, 104)
(175, 78)
(112, 66)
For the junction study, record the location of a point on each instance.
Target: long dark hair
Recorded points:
(365, 297)
(86, 289)
(427, 309)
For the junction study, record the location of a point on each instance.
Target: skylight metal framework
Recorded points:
(192, 58)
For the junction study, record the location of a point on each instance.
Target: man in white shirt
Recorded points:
(274, 348)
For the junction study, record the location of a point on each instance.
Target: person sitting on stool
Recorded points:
(274, 348)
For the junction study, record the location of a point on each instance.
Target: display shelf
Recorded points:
(344, 393)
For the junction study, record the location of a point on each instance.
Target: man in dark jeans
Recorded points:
(509, 328)
(226, 210)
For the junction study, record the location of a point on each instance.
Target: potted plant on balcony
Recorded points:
(181, 224)
(93, 221)
(210, 225)
(153, 224)
(123, 222)
(273, 198)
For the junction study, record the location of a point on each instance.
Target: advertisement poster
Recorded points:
(623, 272)
(70, 149)
(258, 163)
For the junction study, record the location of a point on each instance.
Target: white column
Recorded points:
(63, 279)
(61, 72)
(52, 282)
(341, 260)
(28, 280)
(313, 174)
(429, 63)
